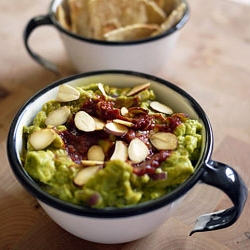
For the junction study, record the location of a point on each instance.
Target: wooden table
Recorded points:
(211, 62)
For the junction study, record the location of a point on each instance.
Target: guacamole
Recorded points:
(102, 146)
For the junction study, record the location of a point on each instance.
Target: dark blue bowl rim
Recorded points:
(32, 187)
(177, 26)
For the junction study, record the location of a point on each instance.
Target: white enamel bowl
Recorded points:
(113, 225)
(147, 55)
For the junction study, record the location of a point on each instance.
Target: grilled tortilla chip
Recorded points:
(131, 32)
(80, 19)
(155, 14)
(63, 18)
(174, 17)
(112, 14)
(167, 5)
(114, 20)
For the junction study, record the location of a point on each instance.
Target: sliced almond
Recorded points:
(101, 88)
(84, 121)
(160, 107)
(120, 152)
(116, 129)
(66, 93)
(42, 138)
(136, 89)
(85, 174)
(58, 116)
(137, 150)
(124, 111)
(91, 163)
(122, 122)
(164, 141)
(96, 153)
(99, 124)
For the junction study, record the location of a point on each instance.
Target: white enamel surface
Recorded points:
(119, 230)
(111, 231)
(146, 57)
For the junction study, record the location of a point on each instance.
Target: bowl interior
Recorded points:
(165, 92)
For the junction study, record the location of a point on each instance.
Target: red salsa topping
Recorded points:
(78, 142)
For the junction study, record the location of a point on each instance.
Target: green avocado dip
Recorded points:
(102, 146)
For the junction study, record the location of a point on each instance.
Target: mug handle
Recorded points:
(225, 178)
(32, 24)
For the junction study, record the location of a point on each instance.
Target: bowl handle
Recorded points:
(32, 24)
(225, 178)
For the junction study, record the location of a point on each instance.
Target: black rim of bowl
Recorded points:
(33, 188)
(176, 27)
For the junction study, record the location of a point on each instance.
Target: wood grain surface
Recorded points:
(211, 61)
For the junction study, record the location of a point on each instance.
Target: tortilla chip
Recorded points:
(167, 5)
(115, 19)
(174, 17)
(79, 15)
(131, 32)
(113, 14)
(63, 18)
(160, 3)
(155, 14)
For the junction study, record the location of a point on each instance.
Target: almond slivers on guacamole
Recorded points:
(102, 146)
